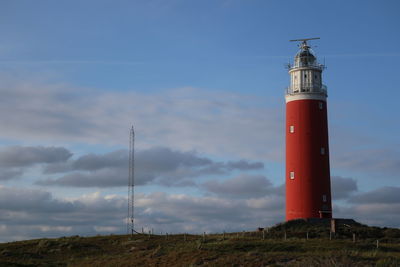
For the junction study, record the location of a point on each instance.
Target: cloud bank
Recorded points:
(158, 165)
(227, 208)
(217, 123)
(221, 124)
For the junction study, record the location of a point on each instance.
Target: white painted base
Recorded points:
(305, 96)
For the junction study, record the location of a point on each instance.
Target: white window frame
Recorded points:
(291, 128)
(291, 175)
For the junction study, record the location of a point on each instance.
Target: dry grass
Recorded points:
(233, 250)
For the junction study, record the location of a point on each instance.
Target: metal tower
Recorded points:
(308, 186)
(131, 184)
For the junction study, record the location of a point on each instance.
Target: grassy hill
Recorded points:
(234, 249)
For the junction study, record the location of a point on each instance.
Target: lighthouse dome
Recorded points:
(305, 57)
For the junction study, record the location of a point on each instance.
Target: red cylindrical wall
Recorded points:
(308, 190)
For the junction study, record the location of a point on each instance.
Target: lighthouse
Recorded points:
(308, 186)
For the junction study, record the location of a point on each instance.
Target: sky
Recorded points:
(203, 84)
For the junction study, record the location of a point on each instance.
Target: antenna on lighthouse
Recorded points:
(131, 184)
(304, 41)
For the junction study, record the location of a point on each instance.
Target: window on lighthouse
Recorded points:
(292, 175)
(322, 150)
(291, 130)
(324, 198)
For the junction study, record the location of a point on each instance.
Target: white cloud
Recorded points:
(241, 186)
(46, 228)
(379, 161)
(8, 174)
(343, 187)
(217, 123)
(377, 214)
(157, 165)
(107, 229)
(383, 195)
(15, 160)
(19, 156)
(42, 215)
(379, 207)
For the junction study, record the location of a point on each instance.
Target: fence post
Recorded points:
(377, 243)
(263, 234)
(307, 235)
(354, 237)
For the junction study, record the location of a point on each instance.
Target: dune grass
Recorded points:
(233, 249)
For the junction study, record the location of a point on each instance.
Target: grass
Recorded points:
(235, 249)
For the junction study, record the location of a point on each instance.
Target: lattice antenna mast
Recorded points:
(131, 184)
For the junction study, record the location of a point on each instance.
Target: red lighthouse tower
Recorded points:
(308, 186)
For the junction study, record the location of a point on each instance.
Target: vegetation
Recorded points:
(234, 249)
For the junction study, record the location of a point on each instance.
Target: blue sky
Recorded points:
(203, 83)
